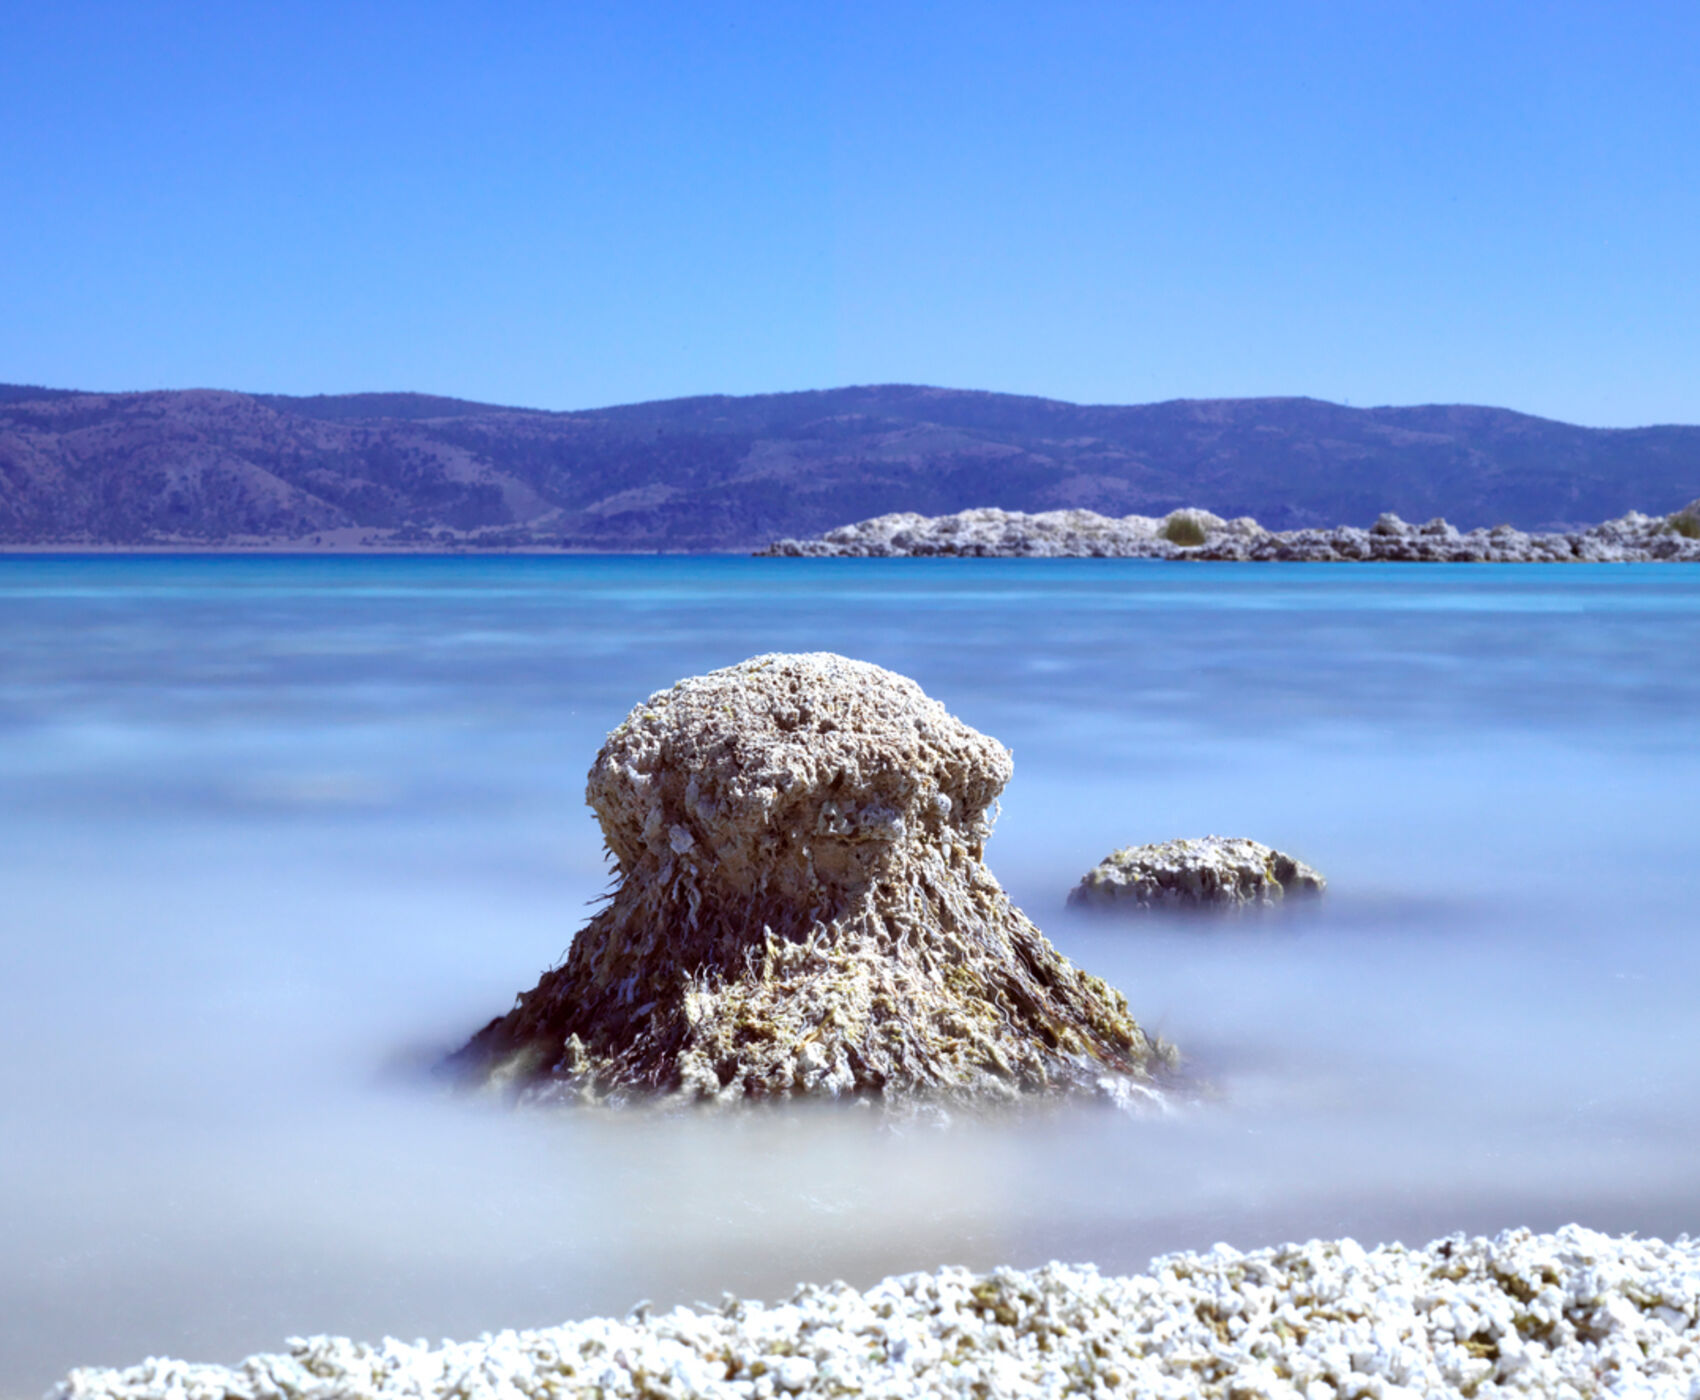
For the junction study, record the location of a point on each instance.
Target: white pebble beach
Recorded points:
(1570, 1314)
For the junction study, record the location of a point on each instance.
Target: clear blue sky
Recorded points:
(568, 205)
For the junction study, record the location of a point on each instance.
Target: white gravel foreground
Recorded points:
(1569, 1314)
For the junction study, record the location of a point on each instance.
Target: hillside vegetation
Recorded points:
(208, 467)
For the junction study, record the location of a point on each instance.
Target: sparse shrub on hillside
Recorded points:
(1686, 522)
(1184, 528)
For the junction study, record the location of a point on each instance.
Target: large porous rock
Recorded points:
(802, 910)
(1217, 872)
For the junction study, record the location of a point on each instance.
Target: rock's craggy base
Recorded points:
(1215, 872)
(1570, 1314)
(803, 910)
(1197, 534)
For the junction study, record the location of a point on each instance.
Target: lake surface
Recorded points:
(275, 832)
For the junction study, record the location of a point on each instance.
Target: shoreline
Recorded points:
(1574, 1312)
(942, 557)
(1187, 534)
(1191, 534)
(295, 549)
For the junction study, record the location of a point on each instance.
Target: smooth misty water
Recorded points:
(274, 832)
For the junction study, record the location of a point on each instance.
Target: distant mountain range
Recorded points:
(210, 467)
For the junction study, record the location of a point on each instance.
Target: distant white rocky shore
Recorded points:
(1570, 1314)
(1198, 534)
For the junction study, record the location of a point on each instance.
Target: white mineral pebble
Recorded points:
(794, 1373)
(1571, 1314)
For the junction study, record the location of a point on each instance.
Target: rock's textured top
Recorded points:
(1197, 534)
(1570, 1314)
(1223, 872)
(803, 909)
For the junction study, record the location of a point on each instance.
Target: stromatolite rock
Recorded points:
(1217, 872)
(802, 910)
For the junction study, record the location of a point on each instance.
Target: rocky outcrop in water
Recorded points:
(1573, 1313)
(803, 911)
(1197, 534)
(1217, 872)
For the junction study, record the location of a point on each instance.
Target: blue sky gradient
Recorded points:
(567, 205)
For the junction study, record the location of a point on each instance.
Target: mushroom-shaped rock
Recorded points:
(802, 910)
(1217, 872)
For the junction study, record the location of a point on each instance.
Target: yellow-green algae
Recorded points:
(803, 911)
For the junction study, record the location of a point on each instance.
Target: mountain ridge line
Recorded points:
(215, 468)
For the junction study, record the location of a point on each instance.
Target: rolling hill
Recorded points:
(205, 467)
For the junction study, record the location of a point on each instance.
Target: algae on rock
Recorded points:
(1223, 872)
(803, 911)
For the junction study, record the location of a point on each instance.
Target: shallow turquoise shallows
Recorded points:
(276, 832)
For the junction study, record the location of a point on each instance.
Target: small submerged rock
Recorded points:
(803, 911)
(1217, 872)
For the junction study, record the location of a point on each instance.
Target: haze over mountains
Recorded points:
(212, 467)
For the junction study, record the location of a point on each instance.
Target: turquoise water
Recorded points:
(273, 832)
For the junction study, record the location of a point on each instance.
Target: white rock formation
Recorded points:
(1634, 538)
(803, 909)
(1214, 872)
(1573, 1314)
